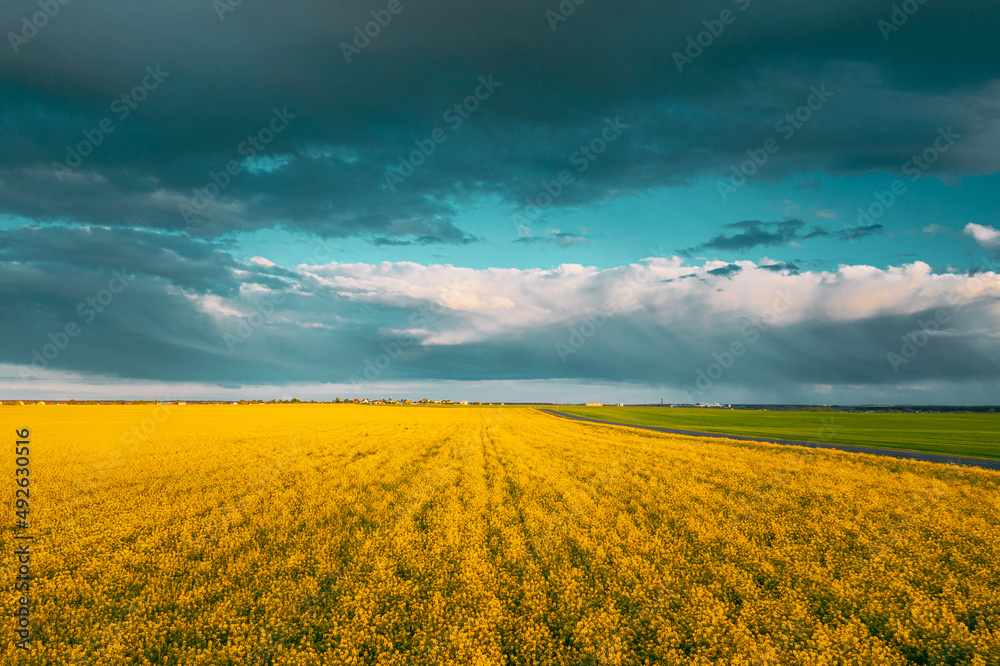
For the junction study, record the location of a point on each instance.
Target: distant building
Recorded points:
(595, 404)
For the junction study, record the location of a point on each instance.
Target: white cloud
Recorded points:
(480, 305)
(986, 236)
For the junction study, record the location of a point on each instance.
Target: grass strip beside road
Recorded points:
(967, 435)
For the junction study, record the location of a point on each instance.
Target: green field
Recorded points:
(970, 435)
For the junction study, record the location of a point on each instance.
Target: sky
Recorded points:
(749, 201)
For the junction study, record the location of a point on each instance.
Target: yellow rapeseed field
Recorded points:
(322, 534)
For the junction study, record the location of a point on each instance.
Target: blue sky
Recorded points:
(489, 203)
(926, 222)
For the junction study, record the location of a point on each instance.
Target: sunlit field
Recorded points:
(322, 534)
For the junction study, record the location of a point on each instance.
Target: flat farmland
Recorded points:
(970, 435)
(330, 534)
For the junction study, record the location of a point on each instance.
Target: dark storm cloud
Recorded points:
(451, 235)
(859, 232)
(726, 271)
(780, 268)
(145, 305)
(556, 237)
(349, 124)
(186, 310)
(753, 233)
(81, 252)
(639, 349)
